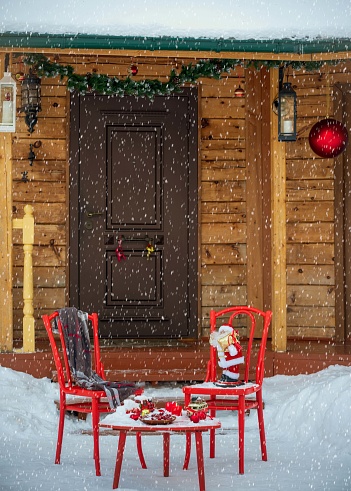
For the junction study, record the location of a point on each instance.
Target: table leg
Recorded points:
(140, 450)
(212, 436)
(187, 450)
(119, 458)
(166, 438)
(200, 460)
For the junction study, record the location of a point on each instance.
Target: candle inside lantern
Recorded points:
(7, 109)
(288, 126)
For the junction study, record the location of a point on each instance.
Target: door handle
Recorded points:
(93, 213)
(137, 239)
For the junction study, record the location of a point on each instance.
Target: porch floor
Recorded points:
(181, 361)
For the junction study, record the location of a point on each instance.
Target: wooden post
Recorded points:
(27, 223)
(28, 310)
(6, 315)
(278, 164)
(254, 189)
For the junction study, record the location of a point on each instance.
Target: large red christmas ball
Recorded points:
(328, 138)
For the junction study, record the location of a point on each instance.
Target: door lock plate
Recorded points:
(88, 224)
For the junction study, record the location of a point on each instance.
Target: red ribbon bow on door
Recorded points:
(119, 251)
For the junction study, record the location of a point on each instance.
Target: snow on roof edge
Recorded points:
(297, 45)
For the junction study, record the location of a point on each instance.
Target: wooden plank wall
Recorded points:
(46, 191)
(310, 212)
(310, 194)
(223, 196)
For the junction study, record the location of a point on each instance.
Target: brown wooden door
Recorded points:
(133, 183)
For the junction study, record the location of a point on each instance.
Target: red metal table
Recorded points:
(182, 424)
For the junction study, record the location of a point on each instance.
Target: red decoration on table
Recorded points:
(146, 404)
(197, 410)
(157, 417)
(328, 138)
(173, 408)
(135, 414)
(119, 251)
(198, 416)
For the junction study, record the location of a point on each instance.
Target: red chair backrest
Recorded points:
(58, 346)
(228, 316)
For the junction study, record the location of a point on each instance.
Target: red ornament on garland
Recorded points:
(328, 138)
(239, 92)
(133, 70)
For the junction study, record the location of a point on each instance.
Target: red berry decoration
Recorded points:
(328, 138)
(195, 418)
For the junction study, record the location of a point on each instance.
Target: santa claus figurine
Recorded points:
(226, 342)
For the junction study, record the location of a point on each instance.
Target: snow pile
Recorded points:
(27, 408)
(311, 409)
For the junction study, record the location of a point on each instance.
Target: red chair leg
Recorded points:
(186, 399)
(95, 421)
(60, 427)
(140, 450)
(261, 425)
(241, 423)
(119, 458)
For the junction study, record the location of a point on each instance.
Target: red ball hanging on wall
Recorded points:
(328, 138)
(133, 69)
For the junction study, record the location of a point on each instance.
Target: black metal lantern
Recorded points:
(287, 112)
(31, 99)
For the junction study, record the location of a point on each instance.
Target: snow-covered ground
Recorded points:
(308, 429)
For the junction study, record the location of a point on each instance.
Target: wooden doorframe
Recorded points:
(6, 246)
(342, 212)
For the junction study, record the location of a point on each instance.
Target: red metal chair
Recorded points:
(93, 401)
(243, 397)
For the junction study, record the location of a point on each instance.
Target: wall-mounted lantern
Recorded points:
(31, 99)
(287, 112)
(7, 101)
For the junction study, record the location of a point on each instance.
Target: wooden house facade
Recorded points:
(266, 221)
